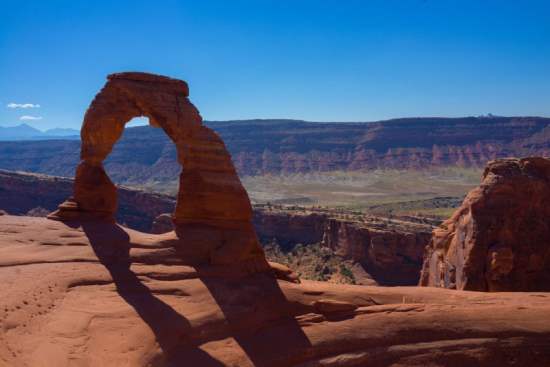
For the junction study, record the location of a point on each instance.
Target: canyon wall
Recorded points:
(389, 250)
(391, 254)
(499, 238)
(145, 155)
(21, 192)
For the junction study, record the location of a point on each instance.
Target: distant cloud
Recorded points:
(27, 117)
(23, 105)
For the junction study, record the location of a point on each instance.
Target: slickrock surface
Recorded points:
(499, 239)
(213, 212)
(98, 294)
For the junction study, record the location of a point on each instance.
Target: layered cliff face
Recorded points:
(390, 253)
(388, 250)
(499, 238)
(21, 193)
(258, 147)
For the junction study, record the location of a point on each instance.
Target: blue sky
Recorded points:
(324, 60)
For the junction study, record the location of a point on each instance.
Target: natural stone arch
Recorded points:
(213, 211)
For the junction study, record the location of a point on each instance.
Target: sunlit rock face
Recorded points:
(499, 239)
(213, 211)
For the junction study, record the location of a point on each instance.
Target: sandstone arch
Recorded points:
(213, 211)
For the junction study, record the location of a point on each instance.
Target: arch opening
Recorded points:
(144, 157)
(213, 211)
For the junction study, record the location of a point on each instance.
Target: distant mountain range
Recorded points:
(26, 132)
(258, 147)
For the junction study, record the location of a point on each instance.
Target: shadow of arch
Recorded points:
(256, 312)
(171, 329)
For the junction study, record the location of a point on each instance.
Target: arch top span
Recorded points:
(164, 101)
(213, 210)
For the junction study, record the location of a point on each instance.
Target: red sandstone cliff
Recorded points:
(499, 238)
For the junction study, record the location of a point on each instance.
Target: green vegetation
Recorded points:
(347, 273)
(314, 262)
(434, 192)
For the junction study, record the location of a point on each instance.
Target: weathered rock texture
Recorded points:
(499, 239)
(213, 211)
(389, 250)
(98, 294)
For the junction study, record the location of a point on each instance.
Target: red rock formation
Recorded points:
(213, 213)
(499, 239)
(85, 291)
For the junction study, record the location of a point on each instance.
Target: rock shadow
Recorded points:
(260, 318)
(258, 315)
(111, 244)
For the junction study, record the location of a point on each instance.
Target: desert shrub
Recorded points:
(346, 272)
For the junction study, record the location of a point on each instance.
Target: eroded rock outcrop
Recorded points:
(213, 212)
(499, 239)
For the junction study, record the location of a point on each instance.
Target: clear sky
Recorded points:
(324, 60)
